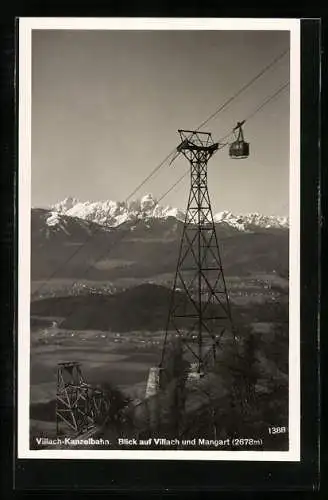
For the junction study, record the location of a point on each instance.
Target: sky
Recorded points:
(106, 107)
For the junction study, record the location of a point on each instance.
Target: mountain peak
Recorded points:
(148, 198)
(111, 213)
(65, 205)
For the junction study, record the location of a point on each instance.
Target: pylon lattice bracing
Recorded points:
(199, 312)
(78, 405)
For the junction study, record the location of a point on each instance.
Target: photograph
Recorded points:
(158, 261)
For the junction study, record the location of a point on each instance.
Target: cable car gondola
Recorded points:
(239, 149)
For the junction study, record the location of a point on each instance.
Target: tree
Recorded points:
(240, 372)
(174, 375)
(118, 403)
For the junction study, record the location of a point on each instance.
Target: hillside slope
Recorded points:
(143, 249)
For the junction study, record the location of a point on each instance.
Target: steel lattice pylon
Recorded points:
(78, 404)
(199, 312)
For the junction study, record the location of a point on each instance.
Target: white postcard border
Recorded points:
(26, 25)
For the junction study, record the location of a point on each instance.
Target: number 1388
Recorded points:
(277, 430)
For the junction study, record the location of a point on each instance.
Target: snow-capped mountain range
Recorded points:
(113, 213)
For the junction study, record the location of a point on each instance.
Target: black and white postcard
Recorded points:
(159, 239)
